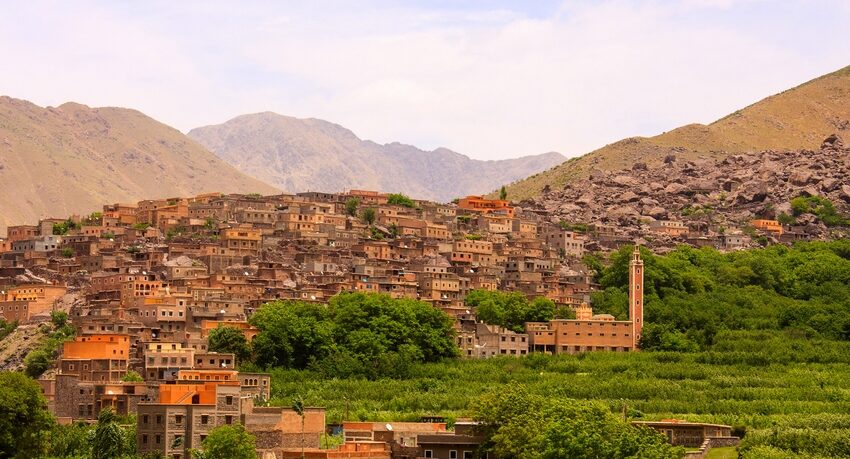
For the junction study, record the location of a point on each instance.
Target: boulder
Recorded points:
(801, 178)
(656, 212)
(628, 196)
(844, 192)
(834, 141)
(625, 180)
(675, 188)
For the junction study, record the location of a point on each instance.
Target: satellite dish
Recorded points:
(312, 297)
(389, 427)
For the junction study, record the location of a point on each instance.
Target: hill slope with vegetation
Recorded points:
(796, 119)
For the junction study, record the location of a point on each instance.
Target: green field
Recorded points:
(786, 392)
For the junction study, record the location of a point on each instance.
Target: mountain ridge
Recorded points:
(70, 159)
(298, 154)
(797, 118)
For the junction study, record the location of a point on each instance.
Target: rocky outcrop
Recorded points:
(704, 193)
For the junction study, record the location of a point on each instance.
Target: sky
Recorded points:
(490, 79)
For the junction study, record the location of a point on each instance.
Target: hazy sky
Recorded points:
(491, 79)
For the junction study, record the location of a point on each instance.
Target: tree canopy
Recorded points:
(523, 425)
(24, 420)
(698, 292)
(399, 199)
(230, 340)
(229, 442)
(355, 334)
(512, 309)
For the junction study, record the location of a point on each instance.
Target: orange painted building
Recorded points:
(96, 357)
(191, 394)
(97, 347)
(771, 226)
(483, 205)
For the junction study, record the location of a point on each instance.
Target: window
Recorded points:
(467, 455)
(228, 419)
(178, 419)
(145, 438)
(453, 454)
(205, 419)
(158, 420)
(229, 400)
(429, 453)
(145, 419)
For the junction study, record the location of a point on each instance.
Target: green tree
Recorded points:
(399, 199)
(503, 193)
(292, 334)
(67, 252)
(509, 309)
(368, 215)
(71, 440)
(230, 340)
(351, 205)
(519, 424)
(356, 334)
(108, 441)
(229, 442)
(36, 363)
(25, 422)
(132, 376)
(58, 318)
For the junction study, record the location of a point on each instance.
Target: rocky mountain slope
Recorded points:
(71, 159)
(705, 193)
(310, 154)
(795, 119)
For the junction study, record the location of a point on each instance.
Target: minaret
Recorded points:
(636, 296)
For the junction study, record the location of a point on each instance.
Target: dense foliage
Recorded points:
(356, 334)
(24, 420)
(758, 380)
(6, 328)
(351, 205)
(399, 199)
(228, 442)
(512, 310)
(820, 207)
(520, 424)
(230, 340)
(369, 215)
(692, 294)
(108, 441)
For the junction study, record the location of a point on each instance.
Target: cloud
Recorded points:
(489, 80)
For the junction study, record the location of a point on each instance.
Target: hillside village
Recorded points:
(145, 285)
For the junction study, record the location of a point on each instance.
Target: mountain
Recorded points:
(310, 154)
(796, 119)
(55, 162)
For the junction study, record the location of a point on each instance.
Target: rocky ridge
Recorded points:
(704, 193)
